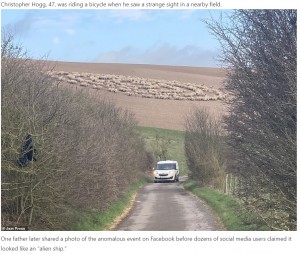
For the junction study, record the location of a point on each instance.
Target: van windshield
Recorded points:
(166, 166)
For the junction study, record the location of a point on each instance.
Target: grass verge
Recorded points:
(107, 220)
(233, 215)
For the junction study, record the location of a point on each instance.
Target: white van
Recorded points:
(166, 171)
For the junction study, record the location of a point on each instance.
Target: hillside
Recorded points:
(159, 96)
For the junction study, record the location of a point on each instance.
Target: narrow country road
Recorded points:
(168, 207)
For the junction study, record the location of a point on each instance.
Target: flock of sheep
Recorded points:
(142, 87)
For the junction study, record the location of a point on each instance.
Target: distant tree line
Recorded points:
(60, 150)
(260, 53)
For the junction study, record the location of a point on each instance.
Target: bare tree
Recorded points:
(205, 149)
(160, 147)
(260, 51)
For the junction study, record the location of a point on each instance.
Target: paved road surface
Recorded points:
(168, 207)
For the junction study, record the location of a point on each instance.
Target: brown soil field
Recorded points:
(166, 108)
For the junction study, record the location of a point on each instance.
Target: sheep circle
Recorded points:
(142, 87)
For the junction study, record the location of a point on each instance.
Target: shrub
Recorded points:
(205, 149)
(87, 152)
(260, 50)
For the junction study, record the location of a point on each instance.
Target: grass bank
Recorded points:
(233, 215)
(100, 221)
(176, 148)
